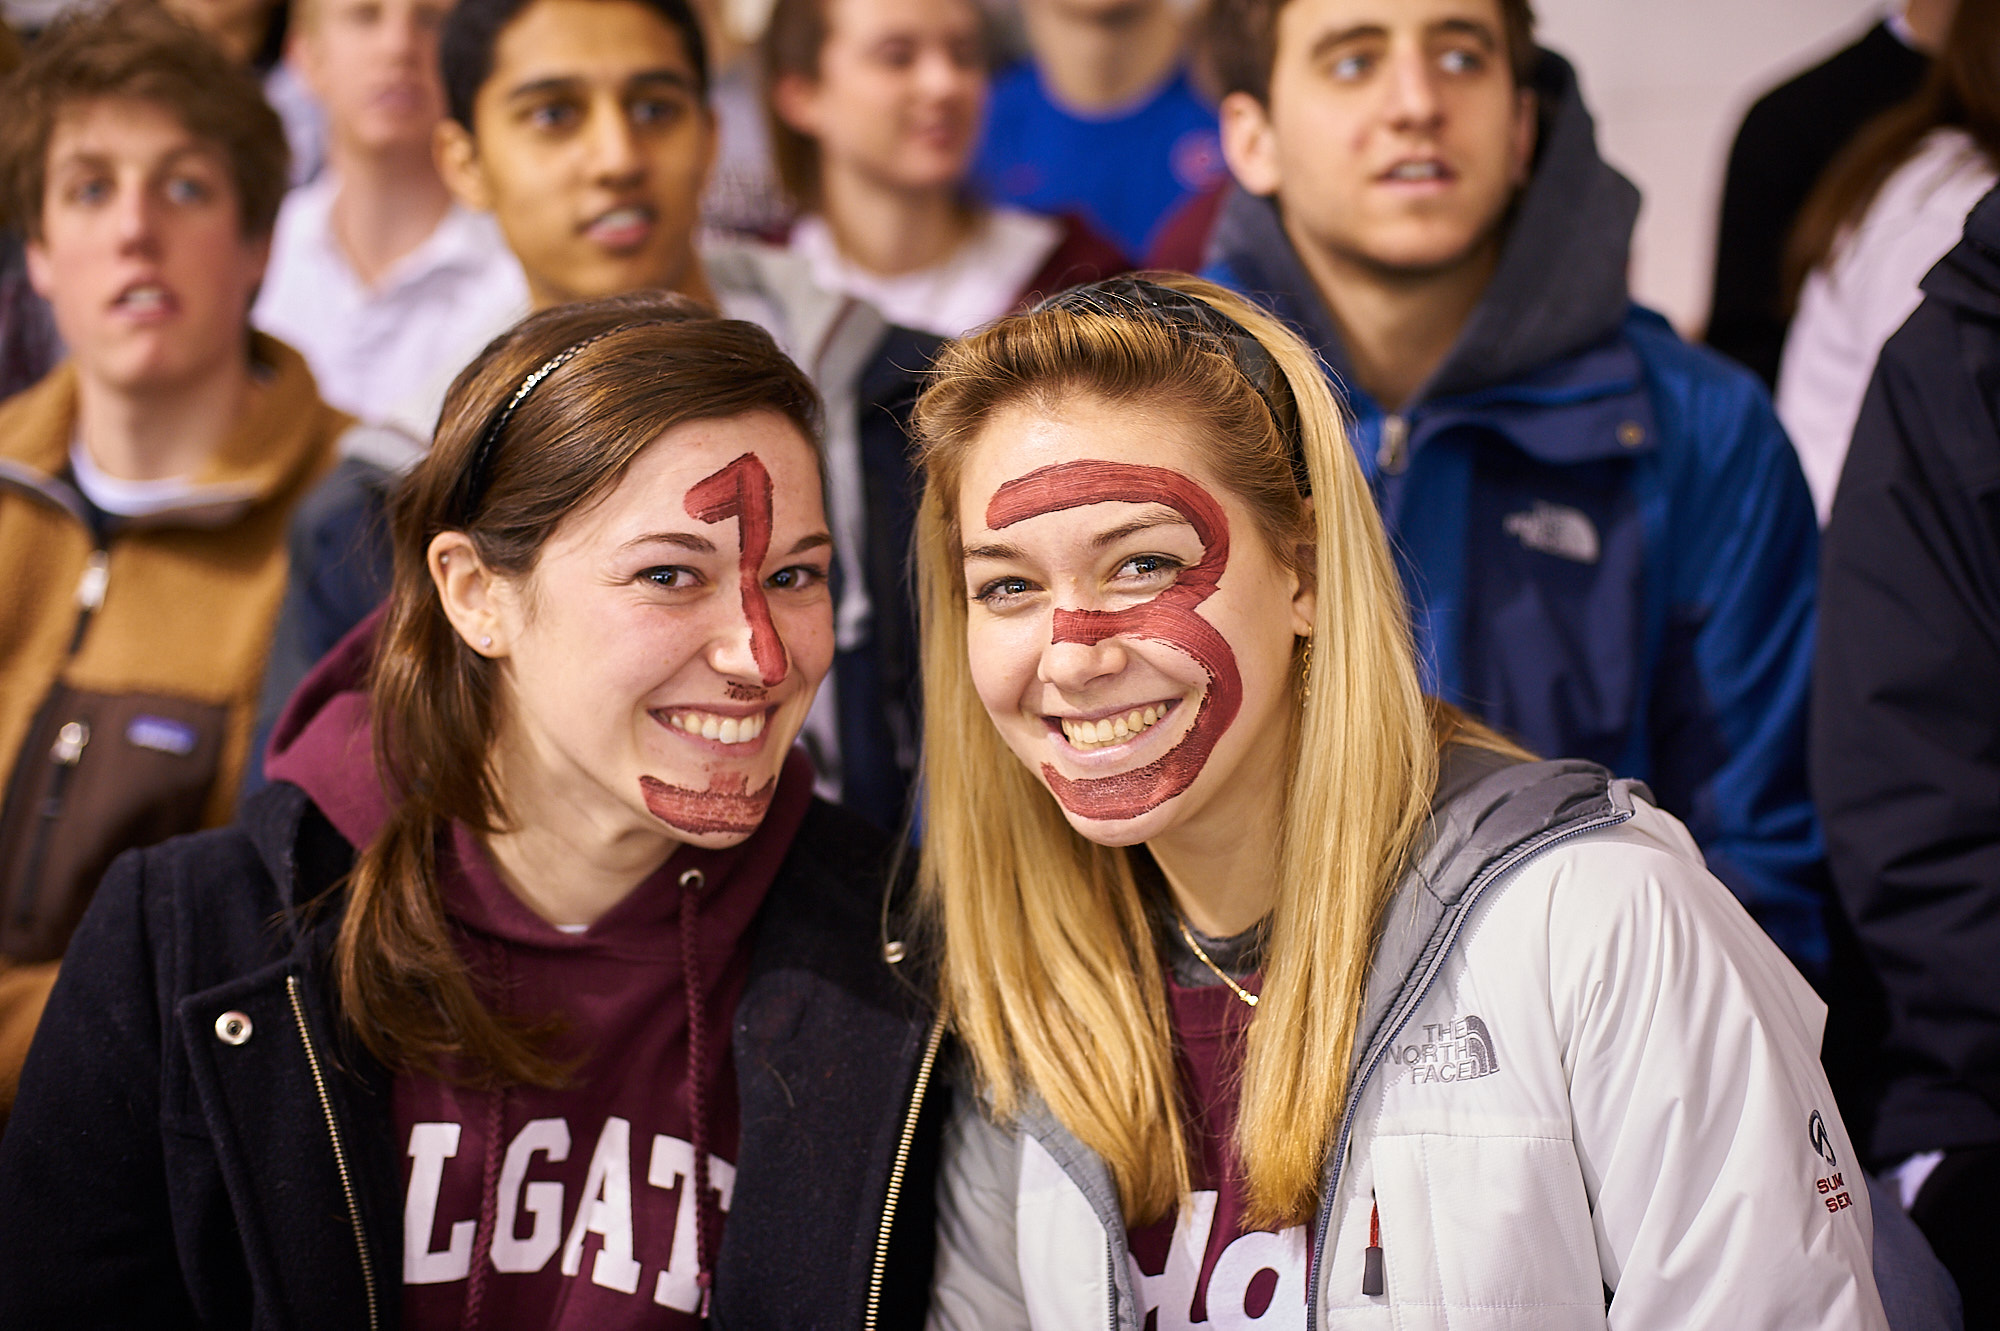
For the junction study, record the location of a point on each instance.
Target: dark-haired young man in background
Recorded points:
(583, 127)
(145, 484)
(1605, 537)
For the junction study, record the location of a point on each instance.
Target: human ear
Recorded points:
(1305, 589)
(1521, 150)
(302, 55)
(1250, 144)
(480, 604)
(457, 157)
(41, 273)
(796, 100)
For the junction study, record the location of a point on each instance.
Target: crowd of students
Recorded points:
(782, 742)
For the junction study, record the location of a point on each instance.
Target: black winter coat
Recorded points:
(1906, 705)
(167, 1168)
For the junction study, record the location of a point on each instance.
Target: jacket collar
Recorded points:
(271, 445)
(1546, 331)
(1490, 813)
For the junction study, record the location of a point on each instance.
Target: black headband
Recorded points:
(474, 480)
(1196, 320)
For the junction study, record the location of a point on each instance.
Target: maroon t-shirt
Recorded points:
(1201, 1267)
(574, 1208)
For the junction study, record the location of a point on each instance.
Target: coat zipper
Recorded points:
(1429, 979)
(879, 1270)
(1394, 454)
(67, 751)
(339, 1151)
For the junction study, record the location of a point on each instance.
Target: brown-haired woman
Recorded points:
(1884, 213)
(454, 999)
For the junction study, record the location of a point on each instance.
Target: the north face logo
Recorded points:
(1459, 1049)
(1555, 529)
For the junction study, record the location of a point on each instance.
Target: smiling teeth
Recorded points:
(726, 729)
(1112, 729)
(145, 297)
(1417, 171)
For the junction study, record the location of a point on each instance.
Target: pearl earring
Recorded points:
(486, 642)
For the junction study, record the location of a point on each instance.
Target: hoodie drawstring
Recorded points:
(706, 1218)
(489, 1183)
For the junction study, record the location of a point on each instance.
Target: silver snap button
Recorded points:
(694, 878)
(233, 1027)
(1631, 434)
(893, 951)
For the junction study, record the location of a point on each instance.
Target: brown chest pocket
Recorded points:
(98, 774)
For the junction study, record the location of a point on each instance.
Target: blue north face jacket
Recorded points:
(1606, 540)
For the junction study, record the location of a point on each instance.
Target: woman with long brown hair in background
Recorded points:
(440, 1032)
(1886, 210)
(1292, 998)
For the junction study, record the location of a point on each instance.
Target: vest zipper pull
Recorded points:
(1371, 1260)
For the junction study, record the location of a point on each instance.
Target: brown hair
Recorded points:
(1242, 43)
(650, 361)
(135, 50)
(790, 48)
(1961, 90)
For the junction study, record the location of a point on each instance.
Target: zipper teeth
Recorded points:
(880, 1267)
(339, 1152)
(1395, 1028)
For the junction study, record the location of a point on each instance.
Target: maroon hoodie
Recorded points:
(573, 1207)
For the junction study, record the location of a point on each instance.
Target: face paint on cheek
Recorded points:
(727, 806)
(742, 490)
(1168, 618)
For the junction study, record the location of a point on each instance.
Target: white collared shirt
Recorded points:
(981, 280)
(371, 347)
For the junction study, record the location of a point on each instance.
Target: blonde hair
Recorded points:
(1048, 967)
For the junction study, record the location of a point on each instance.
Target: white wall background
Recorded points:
(1669, 81)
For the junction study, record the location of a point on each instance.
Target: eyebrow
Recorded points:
(1167, 517)
(683, 540)
(96, 160)
(570, 84)
(819, 540)
(1473, 28)
(1001, 551)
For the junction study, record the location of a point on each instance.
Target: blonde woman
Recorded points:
(1288, 997)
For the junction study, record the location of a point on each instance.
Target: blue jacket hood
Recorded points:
(1560, 287)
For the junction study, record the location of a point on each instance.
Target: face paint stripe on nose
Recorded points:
(742, 490)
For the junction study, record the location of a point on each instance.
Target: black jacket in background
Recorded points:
(160, 1173)
(1906, 702)
(1787, 140)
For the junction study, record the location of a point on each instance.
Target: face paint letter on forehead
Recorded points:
(1169, 618)
(741, 490)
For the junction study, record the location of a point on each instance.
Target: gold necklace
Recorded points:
(1201, 956)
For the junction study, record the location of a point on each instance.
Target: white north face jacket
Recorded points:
(1588, 1094)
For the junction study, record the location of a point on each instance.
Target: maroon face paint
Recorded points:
(727, 806)
(742, 490)
(1169, 617)
(744, 692)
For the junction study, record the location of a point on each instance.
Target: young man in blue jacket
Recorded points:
(1604, 534)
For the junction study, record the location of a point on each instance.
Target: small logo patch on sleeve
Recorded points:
(161, 735)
